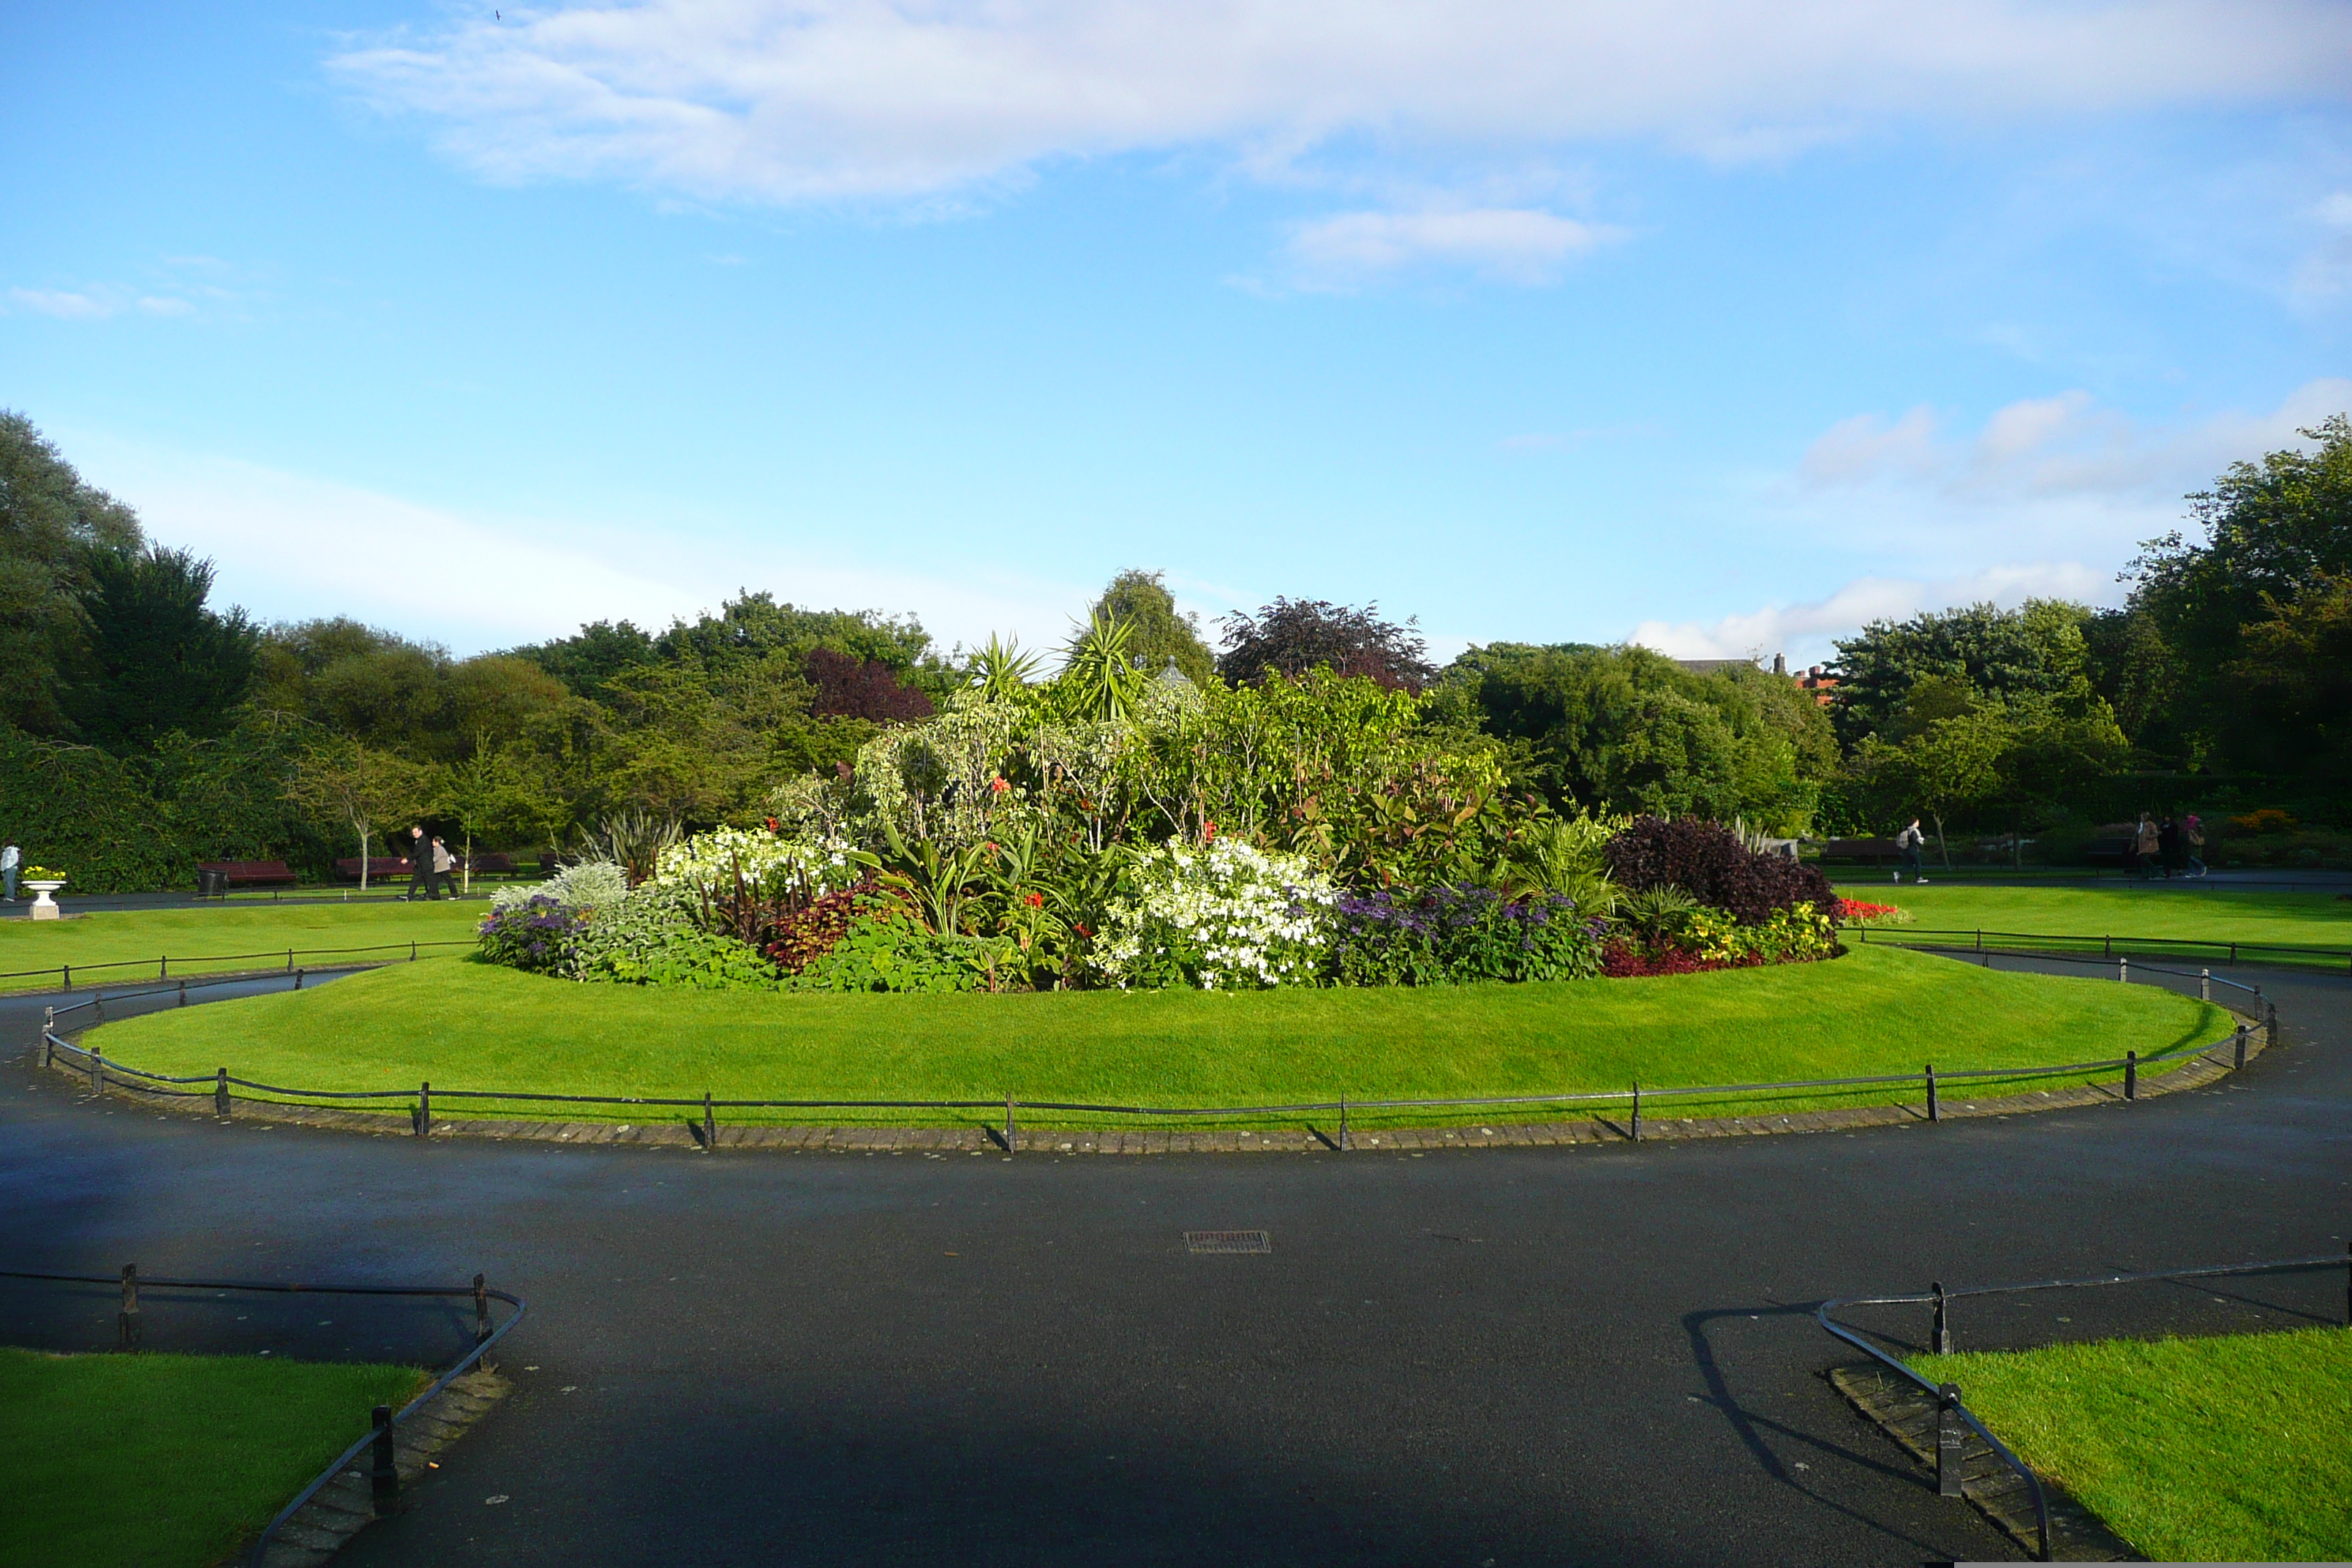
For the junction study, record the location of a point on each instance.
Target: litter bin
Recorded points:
(211, 884)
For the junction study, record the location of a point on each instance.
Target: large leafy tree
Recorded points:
(155, 659)
(2036, 649)
(1292, 636)
(1158, 633)
(52, 527)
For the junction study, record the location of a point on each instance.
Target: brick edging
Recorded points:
(979, 1138)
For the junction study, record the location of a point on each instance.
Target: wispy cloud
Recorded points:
(1516, 244)
(1807, 632)
(65, 304)
(819, 99)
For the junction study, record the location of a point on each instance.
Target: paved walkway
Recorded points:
(1599, 1354)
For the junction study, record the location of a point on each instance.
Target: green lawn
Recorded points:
(188, 936)
(2235, 1449)
(463, 1024)
(153, 1461)
(2180, 909)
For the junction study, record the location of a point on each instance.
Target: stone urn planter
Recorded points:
(45, 908)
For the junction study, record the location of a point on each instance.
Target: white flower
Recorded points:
(1258, 919)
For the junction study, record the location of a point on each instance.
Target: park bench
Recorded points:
(379, 868)
(489, 865)
(1877, 851)
(215, 878)
(2113, 847)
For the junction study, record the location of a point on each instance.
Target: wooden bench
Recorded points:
(379, 868)
(217, 877)
(1877, 851)
(488, 865)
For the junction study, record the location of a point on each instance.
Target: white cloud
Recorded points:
(799, 100)
(66, 304)
(2326, 272)
(1806, 633)
(1519, 244)
(291, 547)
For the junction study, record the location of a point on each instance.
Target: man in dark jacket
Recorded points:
(420, 864)
(2167, 844)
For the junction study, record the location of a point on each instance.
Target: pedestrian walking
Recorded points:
(9, 860)
(1908, 844)
(420, 864)
(443, 864)
(2192, 839)
(2146, 846)
(2167, 843)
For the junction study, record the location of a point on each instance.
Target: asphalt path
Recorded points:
(1600, 1354)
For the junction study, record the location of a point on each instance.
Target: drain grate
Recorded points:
(1227, 1241)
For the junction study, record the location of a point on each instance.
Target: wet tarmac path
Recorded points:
(1504, 1356)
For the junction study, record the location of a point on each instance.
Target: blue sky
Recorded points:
(1724, 328)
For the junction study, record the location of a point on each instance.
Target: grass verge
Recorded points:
(165, 1460)
(189, 937)
(466, 1024)
(2143, 911)
(2236, 1449)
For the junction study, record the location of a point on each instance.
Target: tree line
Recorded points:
(142, 728)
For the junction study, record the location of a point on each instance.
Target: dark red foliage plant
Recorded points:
(851, 688)
(1708, 862)
(1623, 961)
(807, 934)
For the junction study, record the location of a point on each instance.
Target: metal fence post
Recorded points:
(289, 960)
(97, 1070)
(184, 993)
(220, 1092)
(710, 1127)
(1637, 1111)
(1934, 1108)
(2204, 985)
(387, 1473)
(2131, 1075)
(298, 980)
(1343, 1121)
(162, 968)
(67, 970)
(2123, 970)
(128, 1324)
(1939, 1337)
(49, 1027)
(1008, 1122)
(2241, 1046)
(425, 1109)
(2270, 1024)
(1950, 1436)
(481, 1311)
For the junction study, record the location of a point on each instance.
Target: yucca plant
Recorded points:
(1002, 670)
(632, 839)
(1657, 913)
(1099, 681)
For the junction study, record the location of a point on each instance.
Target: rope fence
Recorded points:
(162, 964)
(2110, 947)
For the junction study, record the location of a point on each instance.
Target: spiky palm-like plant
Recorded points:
(1099, 681)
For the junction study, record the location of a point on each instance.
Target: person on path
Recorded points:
(9, 860)
(2192, 839)
(420, 864)
(2147, 843)
(2168, 840)
(443, 864)
(1908, 843)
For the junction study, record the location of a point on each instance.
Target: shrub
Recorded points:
(1220, 918)
(807, 934)
(588, 884)
(1453, 935)
(534, 933)
(1708, 862)
(885, 949)
(651, 938)
(2268, 819)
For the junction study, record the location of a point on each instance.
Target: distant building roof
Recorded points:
(1707, 665)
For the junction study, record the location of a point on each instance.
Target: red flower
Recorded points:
(999, 785)
(1208, 831)
(1082, 928)
(771, 824)
(1034, 901)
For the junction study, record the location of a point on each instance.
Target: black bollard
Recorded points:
(425, 1109)
(1935, 1107)
(1951, 1436)
(220, 1092)
(1939, 1337)
(128, 1324)
(387, 1475)
(2131, 1075)
(481, 1311)
(709, 1126)
(1637, 1113)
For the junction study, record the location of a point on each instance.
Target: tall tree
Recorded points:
(50, 524)
(155, 659)
(339, 778)
(1158, 633)
(2035, 649)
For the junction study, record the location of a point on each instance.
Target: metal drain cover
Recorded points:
(1227, 1241)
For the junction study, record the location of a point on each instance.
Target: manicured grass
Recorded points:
(187, 936)
(463, 1025)
(2179, 910)
(2235, 1449)
(162, 1460)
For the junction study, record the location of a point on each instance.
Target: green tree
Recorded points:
(155, 660)
(51, 523)
(1158, 633)
(341, 780)
(1099, 681)
(1944, 754)
(2036, 649)
(2293, 683)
